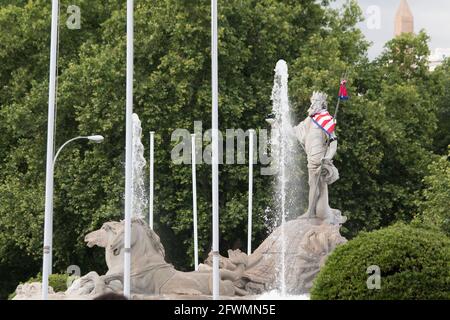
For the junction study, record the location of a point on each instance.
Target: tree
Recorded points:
(433, 208)
(381, 159)
(385, 134)
(24, 51)
(172, 89)
(440, 90)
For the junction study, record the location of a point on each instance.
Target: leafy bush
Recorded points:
(57, 281)
(414, 264)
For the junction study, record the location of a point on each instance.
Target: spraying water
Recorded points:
(139, 162)
(285, 156)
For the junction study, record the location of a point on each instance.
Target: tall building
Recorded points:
(404, 23)
(404, 19)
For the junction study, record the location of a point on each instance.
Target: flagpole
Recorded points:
(215, 149)
(152, 178)
(250, 192)
(128, 153)
(48, 223)
(329, 142)
(194, 200)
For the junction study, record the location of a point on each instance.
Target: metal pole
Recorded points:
(215, 149)
(250, 191)
(129, 151)
(152, 178)
(48, 224)
(194, 201)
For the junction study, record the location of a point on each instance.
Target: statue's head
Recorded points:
(104, 235)
(141, 235)
(318, 102)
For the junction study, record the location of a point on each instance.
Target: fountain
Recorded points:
(139, 163)
(282, 267)
(281, 141)
(284, 154)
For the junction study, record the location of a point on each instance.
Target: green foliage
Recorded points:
(441, 92)
(172, 89)
(57, 281)
(414, 264)
(436, 196)
(385, 131)
(24, 51)
(386, 136)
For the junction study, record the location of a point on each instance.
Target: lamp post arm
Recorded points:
(65, 144)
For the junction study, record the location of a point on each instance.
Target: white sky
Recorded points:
(431, 15)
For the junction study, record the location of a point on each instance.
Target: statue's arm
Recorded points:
(331, 151)
(299, 132)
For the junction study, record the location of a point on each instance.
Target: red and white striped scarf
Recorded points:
(324, 121)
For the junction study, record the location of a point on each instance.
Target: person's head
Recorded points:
(111, 296)
(318, 102)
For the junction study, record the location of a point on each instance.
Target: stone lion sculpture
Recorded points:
(308, 243)
(150, 273)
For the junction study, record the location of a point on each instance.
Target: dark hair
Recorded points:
(111, 296)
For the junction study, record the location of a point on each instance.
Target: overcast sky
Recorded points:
(431, 15)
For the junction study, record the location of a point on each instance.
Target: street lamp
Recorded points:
(48, 229)
(94, 138)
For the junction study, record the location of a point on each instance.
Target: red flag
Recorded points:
(343, 90)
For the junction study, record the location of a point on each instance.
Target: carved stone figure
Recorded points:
(320, 147)
(318, 140)
(308, 243)
(308, 240)
(150, 273)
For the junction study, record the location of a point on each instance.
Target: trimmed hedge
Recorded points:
(414, 264)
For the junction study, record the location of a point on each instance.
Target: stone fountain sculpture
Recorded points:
(310, 242)
(150, 273)
(320, 147)
(310, 239)
(303, 244)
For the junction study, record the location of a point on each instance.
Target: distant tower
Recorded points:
(404, 19)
